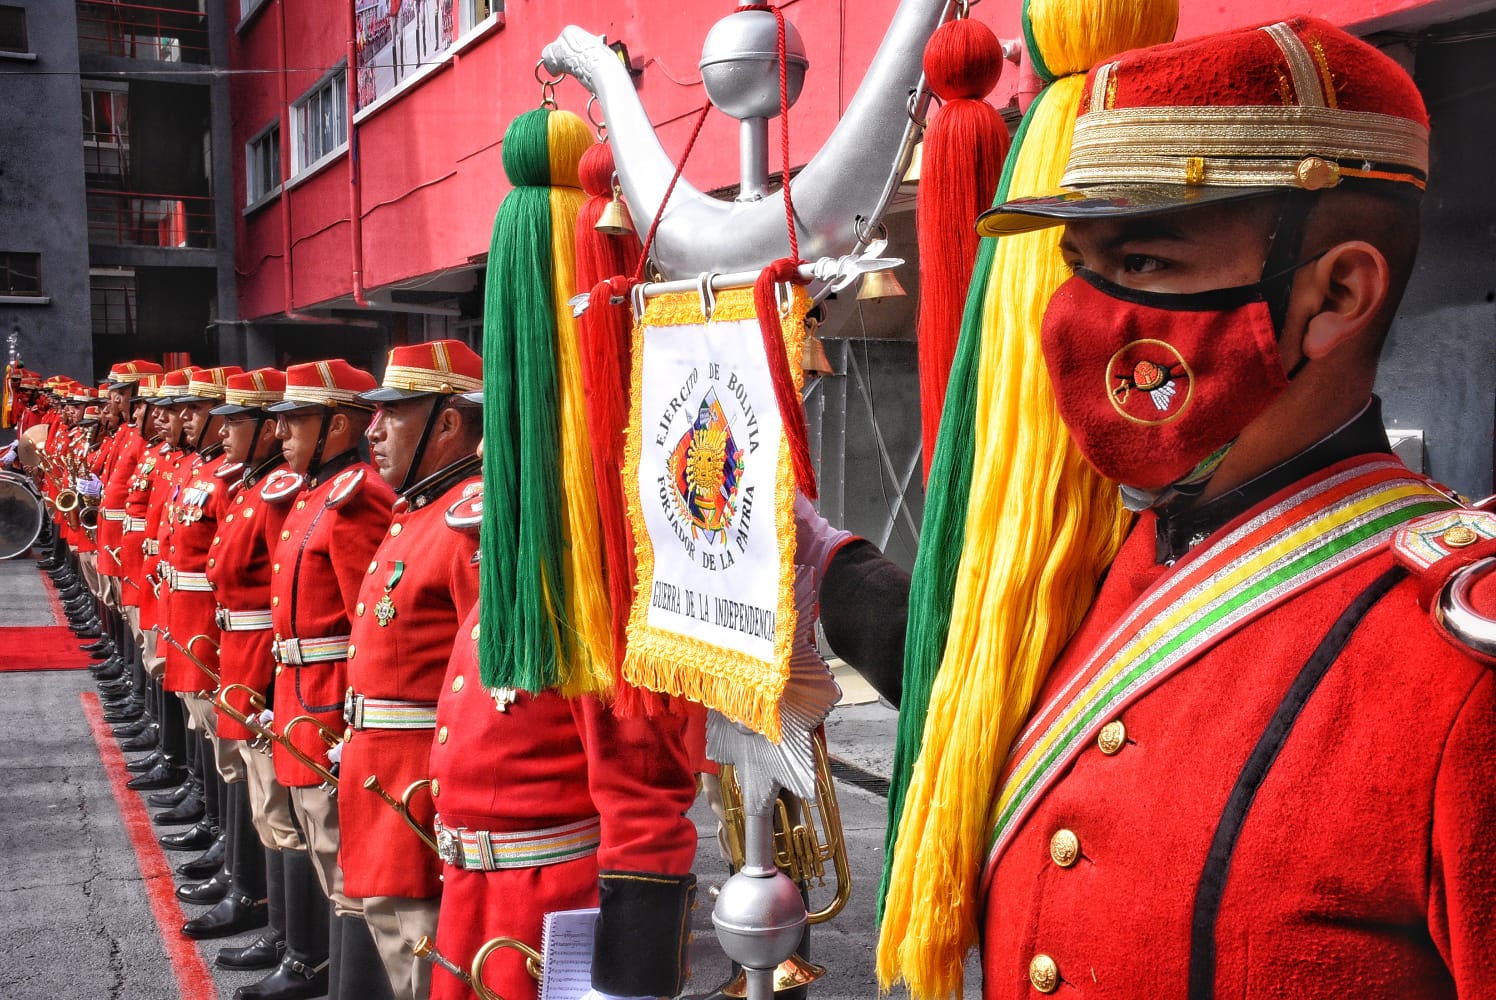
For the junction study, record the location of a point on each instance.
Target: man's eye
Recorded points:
(1137, 263)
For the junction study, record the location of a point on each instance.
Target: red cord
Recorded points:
(660, 214)
(784, 122)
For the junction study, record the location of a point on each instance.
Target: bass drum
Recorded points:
(21, 514)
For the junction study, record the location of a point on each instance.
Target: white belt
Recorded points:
(242, 621)
(110, 514)
(301, 652)
(133, 523)
(384, 713)
(194, 582)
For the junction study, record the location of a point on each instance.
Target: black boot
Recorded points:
(130, 730)
(359, 971)
(97, 646)
(189, 810)
(208, 863)
(173, 796)
(209, 891)
(302, 972)
(244, 907)
(196, 837)
(145, 739)
(142, 764)
(265, 951)
(173, 750)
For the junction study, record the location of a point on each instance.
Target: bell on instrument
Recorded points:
(615, 219)
(790, 974)
(813, 359)
(880, 285)
(911, 176)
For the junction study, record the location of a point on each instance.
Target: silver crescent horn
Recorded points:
(1458, 615)
(852, 175)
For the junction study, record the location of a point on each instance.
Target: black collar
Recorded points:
(211, 452)
(333, 466)
(1180, 527)
(268, 465)
(440, 481)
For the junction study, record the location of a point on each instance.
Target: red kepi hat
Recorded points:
(329, 384)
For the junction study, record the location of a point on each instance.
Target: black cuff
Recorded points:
(639, 948)
(864, 604)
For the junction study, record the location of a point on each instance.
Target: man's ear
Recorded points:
(1351, 282)
(339, 423)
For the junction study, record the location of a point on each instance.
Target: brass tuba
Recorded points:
(473, 976)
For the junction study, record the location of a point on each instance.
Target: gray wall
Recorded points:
(1438, 371)
(41, 191)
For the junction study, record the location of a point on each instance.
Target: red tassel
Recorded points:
(964, 147)
(604, 331)
(791, 410)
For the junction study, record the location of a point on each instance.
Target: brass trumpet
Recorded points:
(187, 651)
(264, 737)
(67, 502)
(402, 806)
(330, 739)
(473, 976)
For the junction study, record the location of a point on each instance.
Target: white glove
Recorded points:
(335, 753)
(8, 457)
(816, 541)
(265, 718)
(91, 486)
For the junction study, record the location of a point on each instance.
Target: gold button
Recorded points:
(373, 566)
(1315, 173)
(395, 529)
(211, 563)
(347, 734)
(1460, 536)
(352, 651)
(457, 683)
(276, 568)
(1112, 738)
(475, 633)
(441, 735)
(228, 519)
(238, 500)
(248, 511)
(436, 788)
(1044, 974)
(275, 602)
(218, 538)
(300, 504)
(278, 669)
(359, 609)
(285, 535)
(1064, 848)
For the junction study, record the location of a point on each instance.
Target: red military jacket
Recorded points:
(319, 562)
(168, 475)
(239, 570)
(132, 535)
(1238, 832)
(194, 510)
(127, 451)
(508, 762)
(424, 580)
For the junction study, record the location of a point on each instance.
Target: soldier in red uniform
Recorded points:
(239, 570)
(423, 582)
(546, 803)
(321, 557)
(1262, 766)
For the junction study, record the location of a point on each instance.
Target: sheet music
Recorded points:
(566, 943)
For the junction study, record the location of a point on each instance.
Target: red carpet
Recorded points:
(49, 647)
(194, 980)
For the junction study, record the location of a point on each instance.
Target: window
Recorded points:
(106, 131)
(396, 40)
(320, 121)
(20, 273)
(262, 165)
(13, 29)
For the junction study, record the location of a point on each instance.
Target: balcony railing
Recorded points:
(134, 218)
(137, 31)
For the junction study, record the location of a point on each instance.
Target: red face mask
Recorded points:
(1153, 384)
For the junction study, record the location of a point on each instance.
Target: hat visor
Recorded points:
(1104, 201)
(233, 410)
(290, 406)
(474, 397)
(111, 386)
(179, 400)
(385, 394)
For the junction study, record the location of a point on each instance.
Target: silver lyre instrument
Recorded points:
(425, 948)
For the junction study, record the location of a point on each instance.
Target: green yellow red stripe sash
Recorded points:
(1265, 556)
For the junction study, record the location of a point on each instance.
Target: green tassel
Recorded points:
(520, 570)
(932, 590)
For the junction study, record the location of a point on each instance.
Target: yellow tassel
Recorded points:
(1040, 530)
(591, 647)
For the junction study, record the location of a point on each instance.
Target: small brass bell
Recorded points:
(880, 285)
(615, 219)
(813, 358)
(911, 176)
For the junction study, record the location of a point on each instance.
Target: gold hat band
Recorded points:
(247, 397)
(205, 390)
(321, 395)
(428, 380)
(1240, 146)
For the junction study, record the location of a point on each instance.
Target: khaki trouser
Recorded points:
(397, 923)
(269, 805)
(317, 814)
(88, 563)
(202, 717)
(151, 655)
(132, 615)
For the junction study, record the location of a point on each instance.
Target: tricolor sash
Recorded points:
(1267, 555)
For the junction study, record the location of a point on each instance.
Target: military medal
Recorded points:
(384, 610)
(503, 697)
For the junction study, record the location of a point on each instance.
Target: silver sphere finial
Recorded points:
(740, 64)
